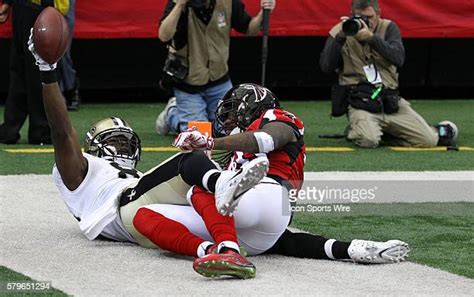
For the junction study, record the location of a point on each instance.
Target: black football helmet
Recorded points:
(242, 105)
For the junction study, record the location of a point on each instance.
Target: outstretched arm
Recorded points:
(281, 134)
(67, 151)
(273, 136)
(71, 164)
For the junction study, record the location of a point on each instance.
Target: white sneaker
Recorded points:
(374, 252)
(161, 126)
(231, 185)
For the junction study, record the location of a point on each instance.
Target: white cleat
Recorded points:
(374, 252)
(160, 124)
(231, 185)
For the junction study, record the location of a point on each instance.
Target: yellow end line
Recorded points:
(30, 151)
(429, 149)
(329, 149)
(165, 149)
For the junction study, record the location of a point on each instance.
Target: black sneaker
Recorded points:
(40, 135)
(7, 136)
(447, 132)
(73, 98)
(43, 141)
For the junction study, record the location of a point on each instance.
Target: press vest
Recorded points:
(207, 50)
(356, 55)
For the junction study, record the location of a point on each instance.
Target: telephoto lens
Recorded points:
(353, 25)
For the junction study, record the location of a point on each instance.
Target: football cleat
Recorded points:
(374, 252)
(228, 263)
(162, 127)
(231, 185)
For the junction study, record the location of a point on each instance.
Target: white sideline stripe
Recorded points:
(41, 239)
(391, 186)
(390, 175)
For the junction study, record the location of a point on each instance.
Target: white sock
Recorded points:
(328, 248)
(206, 176)
(228, 244)
(201, 250)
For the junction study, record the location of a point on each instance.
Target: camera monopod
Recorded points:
(266, 29)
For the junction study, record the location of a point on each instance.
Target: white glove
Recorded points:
(42, 64)
(193, 140)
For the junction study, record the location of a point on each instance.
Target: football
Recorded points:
(50, 35)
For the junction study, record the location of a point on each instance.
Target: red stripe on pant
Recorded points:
(166, 233)
(221, 228)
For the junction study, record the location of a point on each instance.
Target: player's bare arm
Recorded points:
(70, 162)
(67, 151)
(281, 134)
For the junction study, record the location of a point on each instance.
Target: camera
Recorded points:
(354, 24)
(174, 70)
(197, 3)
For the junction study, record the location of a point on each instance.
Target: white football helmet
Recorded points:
(114, 140)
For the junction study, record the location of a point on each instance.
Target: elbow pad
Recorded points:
(265, 142)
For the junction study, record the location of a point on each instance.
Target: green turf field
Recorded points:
(441, 234)
(7, 275)
(317, 121)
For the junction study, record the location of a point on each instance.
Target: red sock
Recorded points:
(166, 233)
(221, 228)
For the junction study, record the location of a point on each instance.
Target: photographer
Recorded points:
(366, 52)
(198, 36)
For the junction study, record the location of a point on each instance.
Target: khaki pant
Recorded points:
(172, 191)
(404, 128)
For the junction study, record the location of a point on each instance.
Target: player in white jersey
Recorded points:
(91, 201)
(102, 189)
(105, 193)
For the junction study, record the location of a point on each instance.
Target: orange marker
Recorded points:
(203, 127)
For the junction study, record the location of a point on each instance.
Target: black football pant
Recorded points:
(304, 245)
(25, 92)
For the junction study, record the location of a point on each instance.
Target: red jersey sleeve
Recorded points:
(280, 115)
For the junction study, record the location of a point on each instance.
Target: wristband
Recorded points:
(264, 141)
(48, 77)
